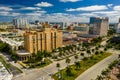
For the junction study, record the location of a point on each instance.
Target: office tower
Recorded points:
(99, 26)
(20, 23)
(45, 39)
(118, 27)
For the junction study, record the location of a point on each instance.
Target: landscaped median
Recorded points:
(10, 67)
(84, 65)
(4, 63)
(36, 64)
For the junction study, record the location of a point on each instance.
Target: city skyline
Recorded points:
(59, 10)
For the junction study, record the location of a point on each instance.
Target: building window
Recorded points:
(34, 46)
(51, 40)
(45, 42)
(55, 40)
(41, 41)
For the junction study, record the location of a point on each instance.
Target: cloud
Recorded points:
(44, 4)
(89, 8)
(3, 8)
(113, 15)
(110, 5)
(36, 13)
(106, 12)
(15, 14)
(70, 0)
(30, 8)
(60, 17)
(40, 11)
(88, 14)
(33, 14)
(117, 8)
(6, 13)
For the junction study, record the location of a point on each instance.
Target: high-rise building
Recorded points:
(45, 39)
(99, 26)
(118, 27)
(20, 23)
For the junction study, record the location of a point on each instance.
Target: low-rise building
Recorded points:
(83, 29)
(13, 44)
(5, 26)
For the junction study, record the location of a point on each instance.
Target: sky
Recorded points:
(59, 10)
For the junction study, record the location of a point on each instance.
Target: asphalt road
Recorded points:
(95, 70)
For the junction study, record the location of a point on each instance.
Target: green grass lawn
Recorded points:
(85, 64)
(38, 64)
(47, 62)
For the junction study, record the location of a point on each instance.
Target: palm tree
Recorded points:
(68, 48)
(119, 56)
(67, 61)
(82, 54)
(78, 48)
(89, 52)
(99, 78)
(76, 57)
(60, 53)
(97, 52)
(96, 48)
(104, 72)
(59, 49)
(64, 49)
(69, 72)
(105, 49)
(93, 50)
(33, 57)
(77, 64)
(75, 46)
(58, 66)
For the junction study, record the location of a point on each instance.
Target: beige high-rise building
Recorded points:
(45, 39)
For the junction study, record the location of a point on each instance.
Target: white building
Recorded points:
(118, 27)
(14, 44)
(20, 23)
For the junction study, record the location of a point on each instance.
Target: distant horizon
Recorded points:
(59, 22)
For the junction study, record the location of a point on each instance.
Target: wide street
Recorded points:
(95, 70)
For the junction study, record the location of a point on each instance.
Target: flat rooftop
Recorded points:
(11, 42)
(22, 52)
(87, 35)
